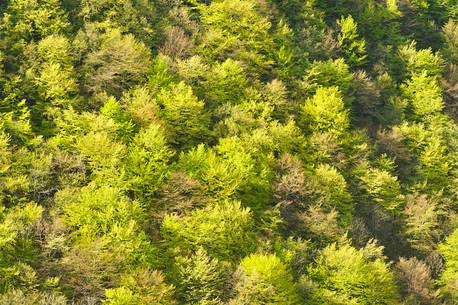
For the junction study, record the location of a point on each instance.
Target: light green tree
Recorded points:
(237, 29)
(137, 17)
(226, 83)
(325, 112)
(264, 279)
(353, 47)
(94, 211)
(224, 230)
(16, 245)
(185, 115)
(332, 192)
(52, 69)
(32, 20)
(383, 188)
(423, 94)
(417, 61)
(141, 287)
(345, 275)
(330, 73)
(146, 161)
(223, 173)
(201, 279)
(449, 278)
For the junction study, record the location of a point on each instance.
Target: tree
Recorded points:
(264, 279)
(185, 116)
(141, 106)
(224, 231)
(51, 74)
(416, 281)
(428, 143)
(422, 221)
(419, 61)
(201, 279)
(142, 287)
(332, 189)
(384, 189)
(103, 161)
(16, 246)
(353, 48)
(146, 161)
(322, 224)
(93, 263)
(32, 297)
(449, 278)
(424, 20)
(330, 73)
(235, 28)
(225, 173)
(424, 95)
(449, 34)
(290, 184)
(325, 112)
(136, 17)
(97, 211)
(345, 275)
(24, 21)
(434, 165)
(120, 61)
(226, 83)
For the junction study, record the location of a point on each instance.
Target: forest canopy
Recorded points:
(228, 152)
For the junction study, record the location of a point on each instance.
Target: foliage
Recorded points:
(16, 250)
(224, 230)
(98, 210)
(345, 275)
(417, 61)
(424, 95)
(449, 276)
(238, 30)
(202, 279)
(383, 188)
(146, 161)
(219, 152)
(332, 187)
(143, 286)
(416, 281)
(353, 48)
(325, 111)
(264, 279)
(330, 73)
(120, 62)
(185, 115)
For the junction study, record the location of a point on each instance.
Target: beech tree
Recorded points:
(326, 112)
(203, 228)
(345, 275)
(264, 279)
(353, 48)
(449, 276)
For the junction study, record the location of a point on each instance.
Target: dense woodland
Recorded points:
(239, 152)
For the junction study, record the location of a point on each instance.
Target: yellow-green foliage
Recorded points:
(264, 279)
(224, 230)
(449, 278)
(345, 275)
(325, 111)
(218, 152)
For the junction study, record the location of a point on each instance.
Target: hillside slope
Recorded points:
(238, 152)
